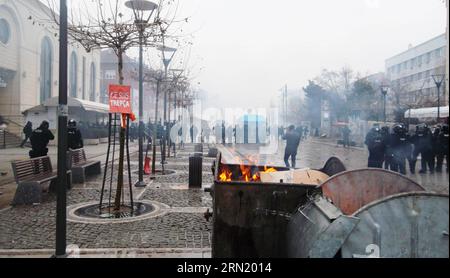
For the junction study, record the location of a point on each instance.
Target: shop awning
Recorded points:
(428, 112)
(72, 103)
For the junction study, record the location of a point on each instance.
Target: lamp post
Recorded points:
(140, 9)
(61, 201)
(384, 91)
(166, 52)
(438, 79)
(176, 80)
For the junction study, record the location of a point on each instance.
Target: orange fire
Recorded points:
(225, 174)
(245, 173)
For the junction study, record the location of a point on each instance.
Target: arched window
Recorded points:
(73, 74)
(92, 83)
(5, 31)
(46, 69)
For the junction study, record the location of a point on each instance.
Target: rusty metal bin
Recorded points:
(250, 218)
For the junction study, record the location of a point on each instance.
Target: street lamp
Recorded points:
(438, 79)
(384, 91)
(140, 9)
(166, 52)
(176, 80)
(61, 201)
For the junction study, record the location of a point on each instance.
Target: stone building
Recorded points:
(29, 60)
(410, 75)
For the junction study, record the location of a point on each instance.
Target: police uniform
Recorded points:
(74, 138)
(39, 140)
(442, 143)
(376, 146)
(401, 149)
(423, 145)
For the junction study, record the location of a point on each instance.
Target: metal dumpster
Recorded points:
(249, 217)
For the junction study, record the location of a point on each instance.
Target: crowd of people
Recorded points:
(395, 149)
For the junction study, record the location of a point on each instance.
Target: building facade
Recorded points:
(410, 75)
(29, 60)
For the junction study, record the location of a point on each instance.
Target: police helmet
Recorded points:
(45, 124)
(399, 128)
(422, 128)
(72, 123)
(444, 128)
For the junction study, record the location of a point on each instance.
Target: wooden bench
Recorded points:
(30, 176)
(81, 167)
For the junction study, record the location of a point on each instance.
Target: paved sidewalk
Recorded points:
(179, 229)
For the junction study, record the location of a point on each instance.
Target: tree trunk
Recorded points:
(121, 142)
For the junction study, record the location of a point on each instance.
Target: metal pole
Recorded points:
(439, 101)
(140, 182)
(163, 155)
(384, 107)
(155, 128)
(61, 201)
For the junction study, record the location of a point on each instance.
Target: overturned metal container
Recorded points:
(370, 213)
(250, 218)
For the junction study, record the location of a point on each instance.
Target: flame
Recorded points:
(225, 174)
(247, 173)
(269, 170)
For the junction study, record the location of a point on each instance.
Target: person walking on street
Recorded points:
(74, 137)
(27, 131)
(346, 136)
(292, 141)
(39, 140)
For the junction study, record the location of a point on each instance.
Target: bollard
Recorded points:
(195, 171)
(198, 148)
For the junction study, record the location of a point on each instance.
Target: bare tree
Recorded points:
(103, 24)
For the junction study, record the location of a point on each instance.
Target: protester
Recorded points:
(346, 136)
(27, 131)
(292, 141)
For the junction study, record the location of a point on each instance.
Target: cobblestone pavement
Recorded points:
(183, 228)
(313, 153)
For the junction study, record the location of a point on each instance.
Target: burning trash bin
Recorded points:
(250, 217)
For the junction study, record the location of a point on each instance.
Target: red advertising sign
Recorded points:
(120, 99)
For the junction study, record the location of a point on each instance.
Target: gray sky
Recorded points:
(250, 48)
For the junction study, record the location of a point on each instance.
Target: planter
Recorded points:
(103, 140)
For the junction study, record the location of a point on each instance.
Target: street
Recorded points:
(180, 229)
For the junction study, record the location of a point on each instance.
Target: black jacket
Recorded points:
(74, 138)
(292, 141)
(40, 137)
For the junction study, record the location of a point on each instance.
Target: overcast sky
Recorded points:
(250, 48)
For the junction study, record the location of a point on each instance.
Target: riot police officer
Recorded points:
(388, 153)
(442, 148)
(435, 145)
(401, 148)
(376, 146)
(74, 137)
(39, 140)
(422, 141)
